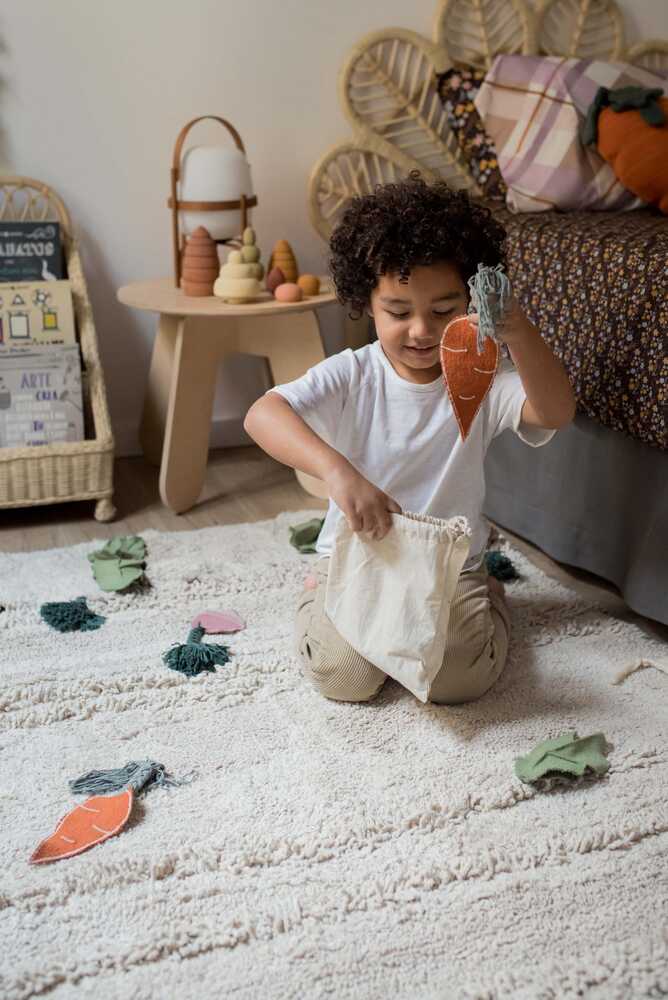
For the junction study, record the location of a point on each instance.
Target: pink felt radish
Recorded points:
(216, 622)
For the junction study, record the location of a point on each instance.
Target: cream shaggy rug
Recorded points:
(324, 849)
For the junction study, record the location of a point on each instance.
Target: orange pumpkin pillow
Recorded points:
(630, 127)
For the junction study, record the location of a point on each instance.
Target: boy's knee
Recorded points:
(471, 668)
(339, 673)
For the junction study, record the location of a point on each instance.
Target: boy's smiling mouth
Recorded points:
(421, 350)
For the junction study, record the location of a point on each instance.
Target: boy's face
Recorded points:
(410, 317)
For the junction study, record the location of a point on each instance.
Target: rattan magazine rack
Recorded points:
(81, 470)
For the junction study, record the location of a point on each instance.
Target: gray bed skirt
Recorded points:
(592, 498)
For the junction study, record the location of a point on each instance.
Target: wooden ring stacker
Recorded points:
(468, 375)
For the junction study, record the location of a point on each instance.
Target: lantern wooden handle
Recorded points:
(201, 206)
(176, 159)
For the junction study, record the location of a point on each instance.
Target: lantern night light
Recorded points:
(210, 186)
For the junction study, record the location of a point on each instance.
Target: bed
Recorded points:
(594, 283)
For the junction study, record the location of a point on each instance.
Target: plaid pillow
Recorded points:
(533, 107)
(457, 89)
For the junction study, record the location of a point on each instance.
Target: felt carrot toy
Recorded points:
(101, 816)
(469, 358)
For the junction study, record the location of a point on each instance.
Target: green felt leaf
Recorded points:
(119, 563)
(304, 536)
(567, 754)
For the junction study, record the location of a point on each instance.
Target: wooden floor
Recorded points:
(242, 484)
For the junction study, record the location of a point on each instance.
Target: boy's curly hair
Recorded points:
(404, 225)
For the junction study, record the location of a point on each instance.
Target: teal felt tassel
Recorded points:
(71, 616)
(500, 566)
(195, 656)
(137, 774)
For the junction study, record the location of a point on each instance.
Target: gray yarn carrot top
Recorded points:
(490, 294)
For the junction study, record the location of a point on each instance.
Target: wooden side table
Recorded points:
(194, 335)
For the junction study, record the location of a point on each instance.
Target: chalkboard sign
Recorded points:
(30, 251)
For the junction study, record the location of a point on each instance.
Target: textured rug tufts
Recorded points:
(323, 849)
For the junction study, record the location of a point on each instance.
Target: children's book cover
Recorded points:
(30, 251)
(38, 312)
(40, 397)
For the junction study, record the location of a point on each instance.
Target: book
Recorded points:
(38, 312)
(30, 251)
(41, 401)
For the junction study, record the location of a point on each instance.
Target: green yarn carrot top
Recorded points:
(194, 656)
(71, 616)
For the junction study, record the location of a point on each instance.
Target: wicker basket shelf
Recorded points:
(80, 470)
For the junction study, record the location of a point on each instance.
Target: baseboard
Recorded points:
(226, 432)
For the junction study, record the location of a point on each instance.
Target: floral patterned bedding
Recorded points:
(596, 286)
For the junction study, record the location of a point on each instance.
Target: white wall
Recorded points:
(93, 94)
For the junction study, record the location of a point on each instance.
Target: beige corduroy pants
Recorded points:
(475, 652)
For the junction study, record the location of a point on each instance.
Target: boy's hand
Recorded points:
(365, 507)
(514, 325)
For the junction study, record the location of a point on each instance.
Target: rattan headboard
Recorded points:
(387, 87)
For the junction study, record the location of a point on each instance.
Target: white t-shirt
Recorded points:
(404, 437)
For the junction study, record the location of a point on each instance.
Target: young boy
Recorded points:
(377, 425)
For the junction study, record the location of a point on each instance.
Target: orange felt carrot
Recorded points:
(95, 820)
(103, 815)
(468, 375)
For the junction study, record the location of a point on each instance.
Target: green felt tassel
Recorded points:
(71, 616)
(194, 656)
(500, 566)
(137, 774)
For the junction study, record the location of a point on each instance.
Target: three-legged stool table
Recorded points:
(194, 335)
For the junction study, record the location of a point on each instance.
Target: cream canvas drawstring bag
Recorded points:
(390, 599)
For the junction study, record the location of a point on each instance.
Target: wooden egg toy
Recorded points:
(274, 279)
(309, 284)
(288, 292)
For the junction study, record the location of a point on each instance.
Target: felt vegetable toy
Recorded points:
(567, 755)
(215, 622)
(194, 656)
(304, 536)
(630, 127)
(500, 566)
(101, 816)
(469, 361)
(119, 563)
(71, 616)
